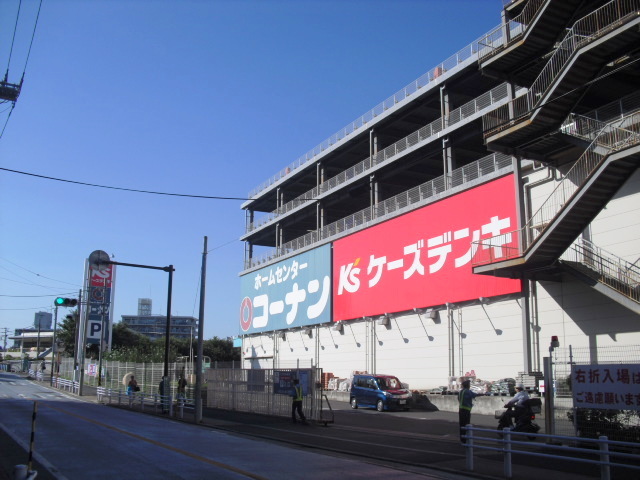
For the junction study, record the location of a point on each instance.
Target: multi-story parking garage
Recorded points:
(461, 223)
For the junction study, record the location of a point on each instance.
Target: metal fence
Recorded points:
(623, 425)
(257, 391)
(148, 375)
(422, 194)
(424, 134)
(477, 48)
(602, 452)
(429, 132)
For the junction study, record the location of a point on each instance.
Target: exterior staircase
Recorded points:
(588, 186)
(589, 45)
(606, 273)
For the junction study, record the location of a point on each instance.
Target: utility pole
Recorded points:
(4, 336)
(198, 391)
(54, 348)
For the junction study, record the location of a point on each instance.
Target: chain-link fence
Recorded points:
(266, 391)
(591, 422)
(148, 375)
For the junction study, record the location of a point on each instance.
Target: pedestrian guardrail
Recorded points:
(64, 384)
(556, 447)
(145, 401)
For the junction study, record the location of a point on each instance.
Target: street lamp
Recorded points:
(99, 258)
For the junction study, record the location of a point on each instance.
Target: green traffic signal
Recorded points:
(65, 302)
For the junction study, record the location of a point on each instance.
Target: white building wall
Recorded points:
(617, 228)
(339, 353)
(582, 317)
(403, 349)
(568, 308)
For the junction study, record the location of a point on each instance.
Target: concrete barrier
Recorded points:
(444, 403)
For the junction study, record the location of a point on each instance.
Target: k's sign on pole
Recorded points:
(423, 258)
(287, 294)
(100, 287)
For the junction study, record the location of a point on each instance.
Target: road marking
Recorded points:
(163, 445)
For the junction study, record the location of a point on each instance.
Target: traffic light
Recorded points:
(65, 302)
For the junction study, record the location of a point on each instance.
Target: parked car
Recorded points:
(382, 392)
(438, 391)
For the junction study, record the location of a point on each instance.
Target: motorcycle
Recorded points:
(524, 418)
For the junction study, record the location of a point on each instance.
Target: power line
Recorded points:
(33, 35)
(13, 39)
(34, 273)
(210, 197)
(34, 296)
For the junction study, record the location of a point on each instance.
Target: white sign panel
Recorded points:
(615, 386)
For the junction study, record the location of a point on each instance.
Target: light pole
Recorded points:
(549, 388)
(99, 258)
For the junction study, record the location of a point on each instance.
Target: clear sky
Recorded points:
(192, 97)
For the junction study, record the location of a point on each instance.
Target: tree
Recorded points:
(220, 350)
(67, 333)
(123, 336)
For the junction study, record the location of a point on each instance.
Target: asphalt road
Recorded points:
(80, 439)
(362, 443)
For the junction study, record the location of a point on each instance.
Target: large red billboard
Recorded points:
(423, 258)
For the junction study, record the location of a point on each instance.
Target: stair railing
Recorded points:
(503, 35)
(585, 30)
(608, 139)
(611, 270)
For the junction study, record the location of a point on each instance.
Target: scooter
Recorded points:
(524, 418)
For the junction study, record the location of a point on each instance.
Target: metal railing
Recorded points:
(141, 400)
(468, 52)
(516, 442)
(616, 273)
(423, 135)
(410, 199)
(608, 140)
(64, 384)
(584, 31)
(496, 41)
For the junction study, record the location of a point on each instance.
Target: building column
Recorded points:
(319, 216)
(448, 162)
(320, 178)
(373, 146)
(248, 254)
(527, 346)
(506, 33)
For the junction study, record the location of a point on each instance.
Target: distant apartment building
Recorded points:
(155, 326)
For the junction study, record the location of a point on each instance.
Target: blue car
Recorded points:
(382, 392)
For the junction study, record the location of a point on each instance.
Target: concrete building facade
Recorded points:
(463, 222)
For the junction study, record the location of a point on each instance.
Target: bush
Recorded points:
(621, 425)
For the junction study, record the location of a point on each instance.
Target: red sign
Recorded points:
(423, 258)
(101, 278)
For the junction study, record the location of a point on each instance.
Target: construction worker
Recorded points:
(465, 404)
(296, 393)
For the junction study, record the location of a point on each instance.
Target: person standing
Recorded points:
(296, 405)
(465, 404)
(132, 386)
(182, 389)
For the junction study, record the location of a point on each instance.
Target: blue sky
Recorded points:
(193, 97)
